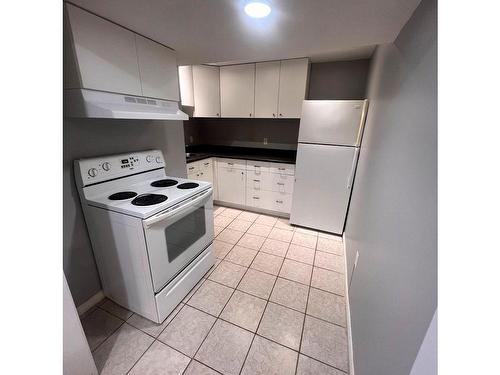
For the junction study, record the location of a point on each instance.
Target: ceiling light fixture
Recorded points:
(257, 9)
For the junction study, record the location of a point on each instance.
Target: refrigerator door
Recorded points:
(333, 122)
(323, 182)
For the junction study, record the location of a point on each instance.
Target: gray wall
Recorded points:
(392, 220)
(329, 80)
(94, 137)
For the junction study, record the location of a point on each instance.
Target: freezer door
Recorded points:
(333, 122)
(323, 182)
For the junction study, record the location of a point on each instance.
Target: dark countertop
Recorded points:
(200, 152)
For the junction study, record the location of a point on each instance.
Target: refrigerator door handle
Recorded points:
(353, 168)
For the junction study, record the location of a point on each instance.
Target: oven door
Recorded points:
(176, 236)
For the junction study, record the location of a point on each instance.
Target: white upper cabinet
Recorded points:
(186, 85)
(267, 81)
(158, 70)
(292, 87)
(206, 85)
(237, 90)
(105, 53)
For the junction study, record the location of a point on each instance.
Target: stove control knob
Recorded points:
(106, 166)
(149, 158)
(92, 172)
(158, 159)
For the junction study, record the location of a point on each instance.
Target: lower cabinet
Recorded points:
(258, 185)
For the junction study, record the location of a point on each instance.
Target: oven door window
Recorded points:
(182, 234)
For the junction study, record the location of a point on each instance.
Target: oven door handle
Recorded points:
(185, 208)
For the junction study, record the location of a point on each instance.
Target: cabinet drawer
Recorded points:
(205, 164)
(261, 181)
(231, 163)
(193, 167)
(282, 168)
(258, 198)
(281, 202)
(282, 183)
(257, 166)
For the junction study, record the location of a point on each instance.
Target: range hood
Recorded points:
(85, 103)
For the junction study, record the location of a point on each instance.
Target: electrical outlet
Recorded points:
(265, 140)
(356, 259)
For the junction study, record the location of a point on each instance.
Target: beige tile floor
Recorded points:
(274, 303)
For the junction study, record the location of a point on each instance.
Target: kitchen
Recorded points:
(226, 190)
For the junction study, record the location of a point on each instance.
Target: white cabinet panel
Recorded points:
(267, 81)
(106, 53)
(282, 183)
(282, 168)
(186, 85)
(206, 91)
(237, 90)
(206, 170)
(292, 88)
(261, 181)
(257, 166)
(232, 163)
(258, 199)
(231, 185)
(158, 70)
(281, 202)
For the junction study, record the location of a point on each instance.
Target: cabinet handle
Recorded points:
(256, 180)
(281, 169)
(191, 168)
(207, 163)
(255, 197)
(201, 174)
(250, 115)
(230, 163)
(281, 184)
(217, 114)
(281, 114)
(279, 201)
(274, 115)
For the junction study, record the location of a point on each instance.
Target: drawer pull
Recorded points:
(281, 169)
(230, 163)
(281, 183)
(207, 163)
(256, 180)
(279, 201)
(255, 197)
(191, 168)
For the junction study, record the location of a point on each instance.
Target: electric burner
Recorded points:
(122, 195)
(164, 183)
(188, 185)
(149, 199)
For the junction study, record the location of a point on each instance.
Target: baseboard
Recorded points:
(348, 312)
(91, 302)
(252, 209)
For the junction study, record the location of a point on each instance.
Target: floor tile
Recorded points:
(121, 350)
(115, 309)
(327, 306)
(303, 239)
(308, 231)
(241, 255)
(275, 247)
(329, 261)
(332, 236)
(282, 325)
(231, 212)
(296, 271)
(222, 248)
(218, 209)
(281, 234)
(266, 220)
(240, 225)
(149, 327)
(211, 297)
(230, 236)
(228, 273)
(300, 254)
(267, 263)
(98, 325)
(217, 230)
(266, 357)
(225, 348)
(330, 281)
(187, 330)
(193, 291)
(260, 230)
(329, 245)
(212, 269)
(290, 294)
(244, 310)
(325, 342)
(309, 366)
(248, 216)
(284, 224)
(197, 368)
(251, 241)
(257, 283)
(222, 221)
(160, 359)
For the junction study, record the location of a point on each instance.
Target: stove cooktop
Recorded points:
(166, 182)
(122, 195)
(188, 185)
(149, 199)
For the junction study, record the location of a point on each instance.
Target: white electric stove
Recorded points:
(151, 234)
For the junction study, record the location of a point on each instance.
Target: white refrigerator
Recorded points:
(329, 139)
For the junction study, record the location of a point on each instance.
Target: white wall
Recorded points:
(94, 137)
(392, 220)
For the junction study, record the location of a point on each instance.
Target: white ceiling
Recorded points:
(218, 31)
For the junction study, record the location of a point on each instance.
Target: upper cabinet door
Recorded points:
(158, 70)
(293, 86)
(267, 81)
(206, 85)
(106, 53)
(186, 85)
(237, 90)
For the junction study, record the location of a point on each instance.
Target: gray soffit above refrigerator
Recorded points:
(100, 104)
